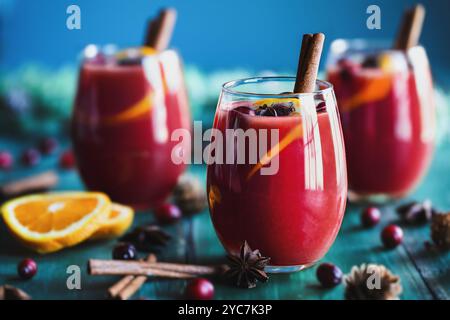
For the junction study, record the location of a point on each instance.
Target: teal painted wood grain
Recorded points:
(424, 272)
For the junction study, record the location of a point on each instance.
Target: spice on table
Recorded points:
(35, 183)
(372, 282)
(128, 285)
(190, 195)
(155, 269)
(247, 268)
(147, 238)
(8, 292)
(416, 212)
(440, 230)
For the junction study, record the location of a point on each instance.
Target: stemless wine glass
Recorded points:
(126, 108)
(385, 99)
(276, 174)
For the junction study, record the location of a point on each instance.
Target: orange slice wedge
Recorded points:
(50, 222)
(116, 223)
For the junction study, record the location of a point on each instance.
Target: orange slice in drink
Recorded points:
(116, 223)
(50, 222)
(376, 89)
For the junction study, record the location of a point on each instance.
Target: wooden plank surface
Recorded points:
(424, 273)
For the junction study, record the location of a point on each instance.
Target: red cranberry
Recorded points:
(392, 236)
(124, 251)
(67, 160)
(31, 157)
(329, 275)
(27, 269)
(168, 213)
(48, 145)
(6, 160)
(200, 289)
(370, 216)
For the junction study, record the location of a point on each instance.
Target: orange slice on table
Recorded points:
(50, 222)
(116, 223)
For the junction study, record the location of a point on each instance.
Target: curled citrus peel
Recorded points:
(375, 90)
(214, 196)
(141, 51)
(293, 134)
(271, 101)
(135, 111)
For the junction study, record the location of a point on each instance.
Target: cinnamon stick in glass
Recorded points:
(309, 61)
(410, 28)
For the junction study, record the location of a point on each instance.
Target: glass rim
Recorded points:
(228, 87)
(364, 43)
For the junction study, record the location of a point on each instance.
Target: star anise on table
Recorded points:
(147, 238)
(416, 212)
(247, 268)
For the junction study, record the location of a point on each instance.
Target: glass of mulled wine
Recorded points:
(276, 174)
(127, 106)
(385, 99)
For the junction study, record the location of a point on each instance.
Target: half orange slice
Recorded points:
(50, 222)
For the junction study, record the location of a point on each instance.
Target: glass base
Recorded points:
(376, 198)
(287, 269)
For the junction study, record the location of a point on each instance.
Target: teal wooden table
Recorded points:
(424, 271)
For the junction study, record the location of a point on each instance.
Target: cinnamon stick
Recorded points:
(35, 183)
(128, 285)
(410, 28)
(157, 269)
(160, 30)
(309, 61)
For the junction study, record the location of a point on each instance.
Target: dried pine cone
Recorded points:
(372, 282)
(189, 195)
(440, 230)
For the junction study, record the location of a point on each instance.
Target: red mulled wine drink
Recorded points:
(386, 105)
(276, 174)
(126, 109)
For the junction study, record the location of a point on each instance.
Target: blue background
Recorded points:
(254, 34)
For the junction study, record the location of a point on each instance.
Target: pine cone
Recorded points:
(372, 282)
(440, 230)
(189, 195)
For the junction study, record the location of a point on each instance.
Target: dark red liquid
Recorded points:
(388, 129)
(121, 129)
(293, 216)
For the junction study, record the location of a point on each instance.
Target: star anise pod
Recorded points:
(147, 238)
(416, 212)
(247, 268)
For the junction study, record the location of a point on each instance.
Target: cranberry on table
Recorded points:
(31, 157)
(329, 275)
(168, 213)
(27, 269)
(67, 160)
(392, 236)
(370, 216)
(124, 251)
(200, 289)
(48, 145)
(6, 160)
